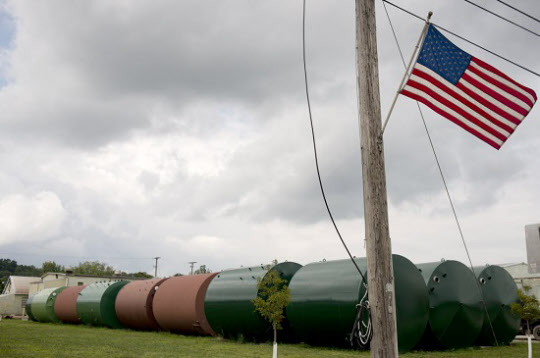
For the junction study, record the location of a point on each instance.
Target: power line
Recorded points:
(74, 257)
(464, 39)
(444, 181)
(315, 145)
(502, 18)
(518, 10)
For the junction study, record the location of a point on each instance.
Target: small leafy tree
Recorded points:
(51, 266)
(94, 268)
(274, 296)
(141, 274)
(10, 267)
(202, 270)
(27, 270)
(528, 307)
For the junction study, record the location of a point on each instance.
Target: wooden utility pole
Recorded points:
(155, 272)
(378, 247)
(191, 264)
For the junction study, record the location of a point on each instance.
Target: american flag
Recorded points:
(469, 92)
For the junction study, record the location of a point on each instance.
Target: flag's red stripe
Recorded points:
(501, 85)
(462, 99)
(494, 94)
(488, 104)
(451, 118)
(457, 109)
(499, 73)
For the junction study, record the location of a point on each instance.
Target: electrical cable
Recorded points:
(443, 179)
(315, 146)
(502, 18)
(74, 257)
(518, 10)
(466, 40)
(362, 332)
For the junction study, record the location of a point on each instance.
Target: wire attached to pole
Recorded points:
(503, 18)
(315, 145)
(464, 39)
(518, 10)
(444, 183)
(361, 332)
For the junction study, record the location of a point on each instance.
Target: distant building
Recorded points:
(521, 275)
(13, 298)
(528, 274)
(59, 279)
(532, 240)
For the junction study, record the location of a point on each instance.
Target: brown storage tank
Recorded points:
(65, 306)
(133, 304)
(179, 304)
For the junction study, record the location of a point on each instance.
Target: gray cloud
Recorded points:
(180, 129)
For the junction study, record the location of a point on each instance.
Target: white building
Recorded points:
(13, 298)
(532, 241)
(521, 275)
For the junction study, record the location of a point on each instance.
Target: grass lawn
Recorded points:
(20, 339)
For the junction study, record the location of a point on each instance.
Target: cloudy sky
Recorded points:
(179, 129)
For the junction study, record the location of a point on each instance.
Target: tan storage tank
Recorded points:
(134, 304)
(179, 304)
(65, 306)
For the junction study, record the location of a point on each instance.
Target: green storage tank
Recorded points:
(456, 312)
(95, 305)
(228, 306)
(324, 296)
(28, 307)
(42, 305)
(499, 290)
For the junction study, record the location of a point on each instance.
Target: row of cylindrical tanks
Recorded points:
(438, 305)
